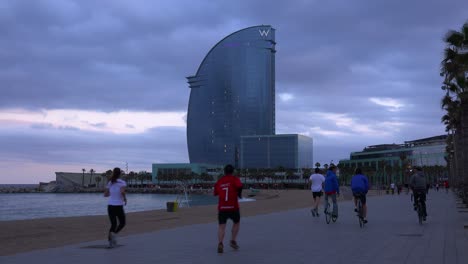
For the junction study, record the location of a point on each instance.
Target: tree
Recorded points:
(317, 165)
(97, 179)
(82, 179)
(454, 70)
(90, 178)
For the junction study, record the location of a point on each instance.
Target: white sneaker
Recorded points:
(113, 237)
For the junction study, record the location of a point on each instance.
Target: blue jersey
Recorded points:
(331, 183)
(359, 183)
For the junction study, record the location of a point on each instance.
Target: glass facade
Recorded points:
(421, 152)
(273, 151)
(232, 95)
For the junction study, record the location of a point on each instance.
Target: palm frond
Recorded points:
(454, 38)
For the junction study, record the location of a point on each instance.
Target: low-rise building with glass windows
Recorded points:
(424, 152)
(176, 169)
(290, 151)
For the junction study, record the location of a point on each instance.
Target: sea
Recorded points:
(21, 206)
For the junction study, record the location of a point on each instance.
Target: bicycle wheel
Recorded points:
(420, 213)
(327, 214)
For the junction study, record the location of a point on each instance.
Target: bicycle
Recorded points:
(360, 211)
(329, 215)
(419, 210)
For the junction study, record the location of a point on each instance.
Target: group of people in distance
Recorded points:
(329, 185)
(229, 189)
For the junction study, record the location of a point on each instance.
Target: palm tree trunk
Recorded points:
(464, 146)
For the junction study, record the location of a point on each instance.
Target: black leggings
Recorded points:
(114, 212)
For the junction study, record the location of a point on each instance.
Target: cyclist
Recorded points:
(360, 187)
(332, 189)
(418, 185)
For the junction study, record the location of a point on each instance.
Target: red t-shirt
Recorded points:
(227, 188)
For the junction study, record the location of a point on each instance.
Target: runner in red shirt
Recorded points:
(228, 188)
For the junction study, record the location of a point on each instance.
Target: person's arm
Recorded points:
(239, 188)
(215, 189)
(122, 191)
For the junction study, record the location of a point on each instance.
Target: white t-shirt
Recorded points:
(116, 197)
(392, 186)
(317, 181)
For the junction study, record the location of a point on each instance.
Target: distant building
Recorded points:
(388, 163)
(232, 95)
(232, 104)
(174, 169)
(78, 179)
(421, 152)
(290, 151)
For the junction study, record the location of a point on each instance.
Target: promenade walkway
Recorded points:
(393, 235)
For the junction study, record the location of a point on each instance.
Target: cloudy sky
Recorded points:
(96, 84)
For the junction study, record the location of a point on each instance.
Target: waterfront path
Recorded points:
(393, 235)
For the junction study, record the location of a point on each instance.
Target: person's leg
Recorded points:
(221, 232)
(121, 216)
(318, 203)
(112, 218)
(364, 206)
(314, 204)
(222, 219)
(423, 203)
(335, 205)
(235, 226)
(325, 203)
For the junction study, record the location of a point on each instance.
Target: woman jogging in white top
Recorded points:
(115, 190)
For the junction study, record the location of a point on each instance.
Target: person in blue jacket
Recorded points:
(332, 189)
(360, 187)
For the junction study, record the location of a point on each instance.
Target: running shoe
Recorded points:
(113, 237)
(313, 212)
(220, 248)
(234, 245)
(355, 209)
(316, 212)
(364, 221)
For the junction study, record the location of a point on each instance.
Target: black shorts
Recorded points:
(317, 194)
(223, 216)
(361, 196)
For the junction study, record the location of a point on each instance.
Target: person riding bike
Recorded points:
(418, 185)
(332, 189)
(360, 187)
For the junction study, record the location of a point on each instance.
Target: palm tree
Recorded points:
(97, 179)
(90, 178)
(454, 69)
(82, 179)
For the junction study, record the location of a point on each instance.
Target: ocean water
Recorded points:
(20, 206)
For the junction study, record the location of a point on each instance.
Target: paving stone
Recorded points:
(392, 235)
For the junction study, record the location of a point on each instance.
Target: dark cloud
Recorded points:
(333, 56)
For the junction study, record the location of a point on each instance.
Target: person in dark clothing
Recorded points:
(419, 187)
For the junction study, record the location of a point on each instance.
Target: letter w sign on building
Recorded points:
(264, 33)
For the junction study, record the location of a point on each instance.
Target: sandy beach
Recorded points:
(27, 235)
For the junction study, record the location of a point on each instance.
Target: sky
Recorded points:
(99, 84)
